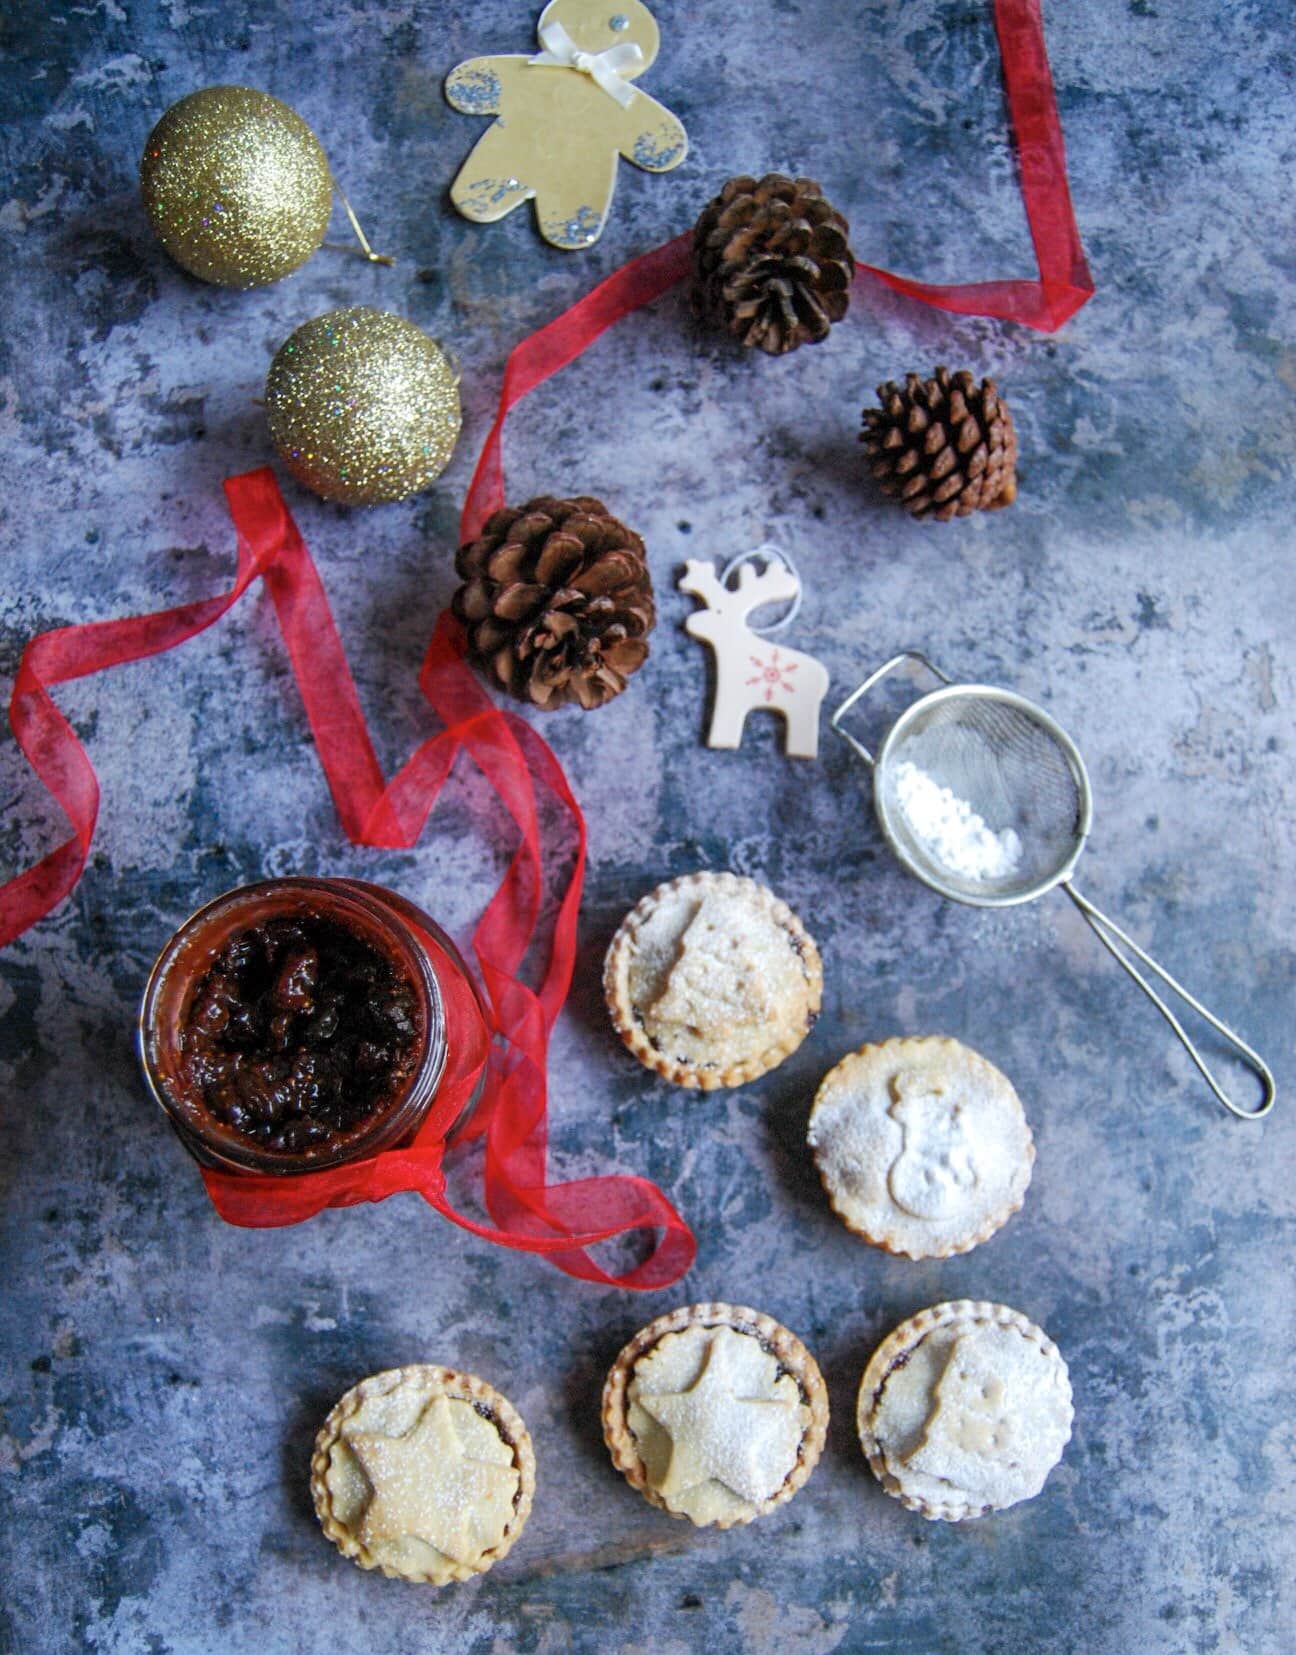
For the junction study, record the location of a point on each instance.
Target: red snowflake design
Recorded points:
(774, 674)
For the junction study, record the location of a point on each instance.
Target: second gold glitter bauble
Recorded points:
(363, 406)
(236, 186)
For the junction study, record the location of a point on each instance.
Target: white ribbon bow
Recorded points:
(604, 68)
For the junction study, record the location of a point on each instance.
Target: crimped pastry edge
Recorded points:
(622, 1012)
(884, 1242)
(905, 1338)
(453, 1383)
(791, 1354)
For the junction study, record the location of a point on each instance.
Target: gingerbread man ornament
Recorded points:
(563, 118)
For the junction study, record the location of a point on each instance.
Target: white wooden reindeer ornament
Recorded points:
(752, 672)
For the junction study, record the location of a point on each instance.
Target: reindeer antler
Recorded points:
(773, 584)
(701, 580)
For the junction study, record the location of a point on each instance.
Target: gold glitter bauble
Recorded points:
(363, 406)
(236, 186)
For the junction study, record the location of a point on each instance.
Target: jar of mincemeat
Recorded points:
(298, 1024)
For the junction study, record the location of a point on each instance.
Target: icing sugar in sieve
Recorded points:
(985, 798)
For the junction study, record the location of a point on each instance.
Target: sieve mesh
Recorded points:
(1008, 764)
(986, 800)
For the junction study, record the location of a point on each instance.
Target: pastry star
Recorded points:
(426, 1485)
(747, 1443)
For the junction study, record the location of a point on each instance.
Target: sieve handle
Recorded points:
(1110, 935)
(834, 723)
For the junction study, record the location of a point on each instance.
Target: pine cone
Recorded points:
(771, 263)
(943, 447)
(557, 600)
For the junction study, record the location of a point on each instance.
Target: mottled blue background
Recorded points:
(164, 1374)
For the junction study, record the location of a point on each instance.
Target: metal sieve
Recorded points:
(1005, 761)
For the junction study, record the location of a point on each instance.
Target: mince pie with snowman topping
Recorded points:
(922, 1145)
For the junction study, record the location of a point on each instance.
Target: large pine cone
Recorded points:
(557, 600)
(771, 262)
(943, 447)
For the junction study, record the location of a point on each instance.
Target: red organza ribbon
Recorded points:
(561, 1221)
(1064, 282)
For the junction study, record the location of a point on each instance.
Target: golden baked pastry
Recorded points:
(922, 1146)
(712, 981)
(716, 1413)
(424, 1473)
(964, 1410)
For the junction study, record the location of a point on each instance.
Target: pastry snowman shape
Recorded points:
(934, 1174)
(564, 118)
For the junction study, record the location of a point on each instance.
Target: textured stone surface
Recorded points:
(163, 1374)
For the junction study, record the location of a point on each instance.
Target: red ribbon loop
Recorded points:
(1064, 282)
(561, 1221)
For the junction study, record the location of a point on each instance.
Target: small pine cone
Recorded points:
(557, 600)
(771, 262)
(943, 447)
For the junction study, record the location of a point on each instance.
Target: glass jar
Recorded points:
(444, 1071)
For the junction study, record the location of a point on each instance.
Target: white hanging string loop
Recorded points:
(768, 554)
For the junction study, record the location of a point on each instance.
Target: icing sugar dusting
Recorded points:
(935, 1174)
(718, 977)
(922, 1145)
(730, 1416)
(448, 1482)
(1000, 1417)
(715, 976)
(960, 840)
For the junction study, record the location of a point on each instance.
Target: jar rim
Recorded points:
(209, 1140)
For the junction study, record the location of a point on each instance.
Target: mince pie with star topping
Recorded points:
(712, 981)
(424, 1473)
(716, 1413)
